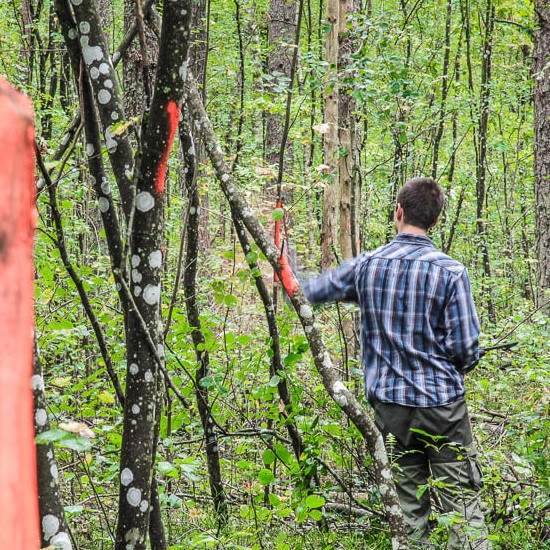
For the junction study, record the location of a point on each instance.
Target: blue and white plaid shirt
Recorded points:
(418, 320)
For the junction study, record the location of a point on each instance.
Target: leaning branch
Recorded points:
(335, 387)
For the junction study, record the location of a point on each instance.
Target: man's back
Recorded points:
(418, 320)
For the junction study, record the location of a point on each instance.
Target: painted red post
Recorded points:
(19, 529)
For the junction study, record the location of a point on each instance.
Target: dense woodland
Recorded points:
(186, 148)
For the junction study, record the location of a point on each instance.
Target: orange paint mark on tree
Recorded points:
(289, 282)
(173, 117)
(18, 489)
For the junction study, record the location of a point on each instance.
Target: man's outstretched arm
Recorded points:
(335, 285)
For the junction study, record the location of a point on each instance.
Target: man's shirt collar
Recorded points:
(409, 238)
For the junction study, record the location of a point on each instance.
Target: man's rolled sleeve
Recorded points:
(462, 325)
(334, 285)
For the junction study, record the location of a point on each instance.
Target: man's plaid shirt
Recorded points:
(418, 320)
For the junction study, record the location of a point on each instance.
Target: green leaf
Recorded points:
(315, 501)
(268, 457)
(166, 468)
(49, 436)
(265, 476)
(316, 514)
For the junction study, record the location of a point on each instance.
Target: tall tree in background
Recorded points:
(481, 167)
(345, 131)
(281, 29)
(542, 148)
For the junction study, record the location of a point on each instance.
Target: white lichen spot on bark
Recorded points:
(148, 376)
(61, 541)
(84, 27)
(90, 150)
(37, 382)
(135, 409)
(305, 311)
(50, 526)
(104, 96)
(126, 477)
(137, 291)
(135, 260)
(133, 368)
(91, 54)
(133, 496)
(103, 204)
(143, 505)
(136, 276)
(105, 187)
(151, 294)
(155, 259)
(41, 417)
(144, 201)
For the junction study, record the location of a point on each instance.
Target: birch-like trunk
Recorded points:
(542, 150)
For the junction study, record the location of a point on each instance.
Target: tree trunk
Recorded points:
(203, 362)
(144, 337)
(345, 126)
(329, 222)
(54, 529)
(281, 29)
(481, 169)
(542, 150)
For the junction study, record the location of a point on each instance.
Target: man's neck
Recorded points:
(411, 230)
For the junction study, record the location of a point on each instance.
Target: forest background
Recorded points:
(322, 110)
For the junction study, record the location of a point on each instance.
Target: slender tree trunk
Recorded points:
(444, 89)
(203, 362)
(542, 151)
(139, 66)
(144, 340)
(345, 127)
(329, 222)
(281, 29)
(481, 169)
(54, 529)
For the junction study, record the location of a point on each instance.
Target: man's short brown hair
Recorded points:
(422, 200)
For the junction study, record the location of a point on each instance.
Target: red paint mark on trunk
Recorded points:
(289, 282)
(173, 117)
(18, 491)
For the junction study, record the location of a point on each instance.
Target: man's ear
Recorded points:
(398, 212)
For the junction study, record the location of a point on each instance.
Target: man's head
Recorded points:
(418, 204)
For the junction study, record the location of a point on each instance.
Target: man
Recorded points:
(419, 334)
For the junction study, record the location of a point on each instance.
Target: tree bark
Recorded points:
(329, 222)
(203, 362)
(345, 126)
(54, 529)
(145, 343)
(542, 151)
(281, 30)
(481, 168)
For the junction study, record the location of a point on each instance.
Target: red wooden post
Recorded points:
(19, 528)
